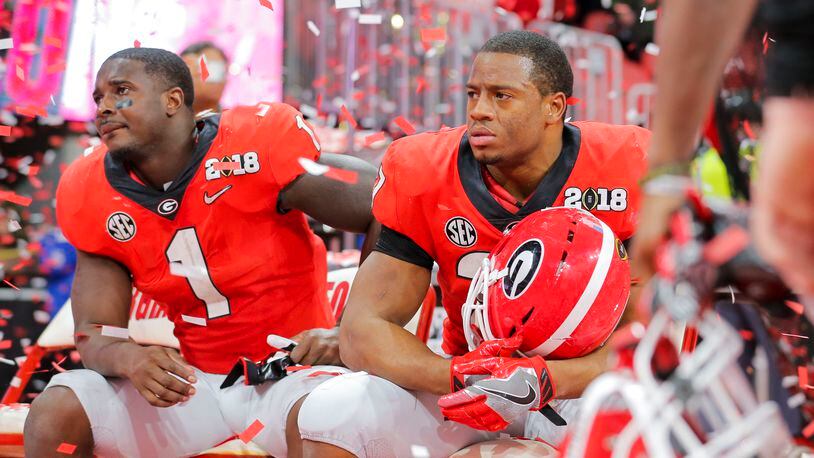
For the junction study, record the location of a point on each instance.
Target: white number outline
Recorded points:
(181, 246)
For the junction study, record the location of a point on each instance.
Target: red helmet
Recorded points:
(560, 278)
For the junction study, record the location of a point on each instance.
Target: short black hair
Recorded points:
(163, 64)
(552, 72)
(200, 46)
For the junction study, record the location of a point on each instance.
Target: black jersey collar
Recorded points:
(160, 202)
(544, 196)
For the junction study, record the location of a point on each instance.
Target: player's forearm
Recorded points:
(108, 356)
(572, 376)
(389, 351)
(696, 39)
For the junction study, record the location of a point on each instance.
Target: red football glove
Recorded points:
(491, 348)
(512, 387)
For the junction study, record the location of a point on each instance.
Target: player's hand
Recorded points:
(489, 348)
(783, 213)
(317, 346)
(652, 228)
(157, 373)
(513, 387)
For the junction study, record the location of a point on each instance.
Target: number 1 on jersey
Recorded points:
(185, 249)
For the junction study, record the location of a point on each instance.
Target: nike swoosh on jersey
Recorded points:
(211, 199)
(528, 398)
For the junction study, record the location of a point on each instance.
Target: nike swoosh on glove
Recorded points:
(512, 388)
(491, 348)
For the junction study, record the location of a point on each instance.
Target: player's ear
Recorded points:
(555, 107)
(174, 100)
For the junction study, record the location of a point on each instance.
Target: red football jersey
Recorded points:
(213, 248)
(430, 189)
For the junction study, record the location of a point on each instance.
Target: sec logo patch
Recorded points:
(121, 226)
(461, 232)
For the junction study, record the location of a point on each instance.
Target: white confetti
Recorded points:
(41, 316)
(14, 225)
(180, 270)
(313, 27)
(309, 111)
(263, 108)
(341, 4)
(15, 382)
(20, 360)
(651, 15)
(6, 43)
(198, 321)
(370, 19)
(641, 16)
(273, 340)
(568, 119)
(652, 49)
(7, 361)
(312, 167)
(355, 76)
(419, 451)
(113, 331)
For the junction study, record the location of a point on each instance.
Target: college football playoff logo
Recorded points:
(523, 266)
(461, 232)
(121, 226)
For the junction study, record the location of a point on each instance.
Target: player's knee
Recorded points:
(339, 410)
(50, 414)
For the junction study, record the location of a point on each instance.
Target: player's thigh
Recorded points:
(125, 424)
(370, 416)
(271, 403)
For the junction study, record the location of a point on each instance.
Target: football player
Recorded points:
(516, 155)
(208, 217)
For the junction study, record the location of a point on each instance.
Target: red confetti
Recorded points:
(765, 42)
(802, 376)
(347, 176)
(422, 84)
(796, 306)
(66, 448)
(11, 284)
(53, 41)
(570, 101)
(15, 198)
(55, 68)
(373, 138)
(253, 429)
(136, 44)
(404, 125)
(808, 430)
(747, 128)
(348, 117)
(5, 131)
(438, 34)
(746, 334)
(204, 70)
(267, 4)
(228, 165)
(318, 373)
(726, 245)
(5, 344)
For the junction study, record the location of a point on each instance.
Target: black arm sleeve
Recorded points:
(400, 246)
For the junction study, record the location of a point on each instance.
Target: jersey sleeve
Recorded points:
(71, 202)
(398, 203)
(289, 138)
